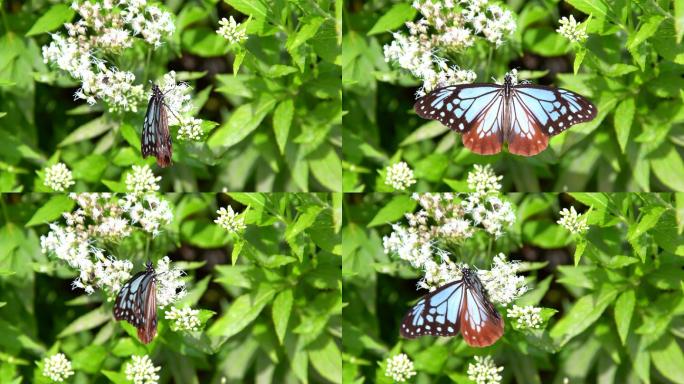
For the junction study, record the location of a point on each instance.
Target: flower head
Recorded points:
(572, 30)
(399, 368)
(484, 371)
(141, 370)
(528, 316)
(170, 287)
(399, 176)
(502, 282)
(232, 31)
(572, 221)
(190, 129)
(58, 177)
(57, 367)
(483, 180)
(230, 220)
(185, 319)
(142, 180)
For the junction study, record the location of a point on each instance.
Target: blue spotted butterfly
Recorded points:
(137, 303)
(156, 140)
(462, 306)
(524, 115)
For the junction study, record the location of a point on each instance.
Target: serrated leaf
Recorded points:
(394, 18)
(52, 210)
(282, 120)
(624, 309)
(624, 114)
(393, 210)
(54, 18)
(282, 306)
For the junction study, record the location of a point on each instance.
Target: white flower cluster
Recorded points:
(185, 319)
(484, 371)
(502, 283)
(57, 367)
(107, 27)
(101, 218)
(141, 180)
(229, 220)
(170, 286)
(483, 180)
(399, 368)
(573, 221)
(141, 370)
(58, 177)
(447, 26)
(444, 220)
(572, 30)
(399, 176)
(179, 102)
(232, 31)
(527, 316)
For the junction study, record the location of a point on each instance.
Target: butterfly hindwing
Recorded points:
(460, 306)
(435, 314)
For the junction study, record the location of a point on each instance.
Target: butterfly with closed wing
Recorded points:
(487, 115)
(137, 303)
(156, 140)
(461, 305)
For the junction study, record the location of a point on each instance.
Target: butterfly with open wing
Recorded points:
(523, 114)
(461, 305)
(156, 140)
(137, 303)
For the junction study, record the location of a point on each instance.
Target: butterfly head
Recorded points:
(508, 79)
(150, 267)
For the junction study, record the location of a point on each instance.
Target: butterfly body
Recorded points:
(487, 115)
(156, 140)
(137, 304)
(460, 306)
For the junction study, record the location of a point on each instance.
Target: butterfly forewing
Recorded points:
(460, 306)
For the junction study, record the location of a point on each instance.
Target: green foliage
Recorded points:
(630, 67)
(614, 317)
(270, 298)
(271, 105)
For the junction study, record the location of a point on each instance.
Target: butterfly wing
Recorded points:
(149, 133)
(136, 303)
(436, 314)
(537, 112)
(156, 140)
(148, 329)
(480, 323)
(473, 109)
(164, 143)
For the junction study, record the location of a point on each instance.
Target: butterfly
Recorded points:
(462, 306)
(137, 303)
(524, 115)
(156, 140)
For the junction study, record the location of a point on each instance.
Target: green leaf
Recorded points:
(204, 234)
(647, 29)
(545, 42)
(624, 114)
(282, 120)
(425, 132)
(582, 315)
(394, 18)
(306, 32)
(668, 359)
(90, 320)
(545, 234)
(91, 129)
(52, 210)
(244, 120)
(327, 359)
(242, 312)
(669, 167)
(679, 19)
(679, 213)
(590, 7)
(579, 250)
(579, 57)
(254, 8)
(54, 18)
(394, 210)
(282, 306)
(327, 168)
(624, 309)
